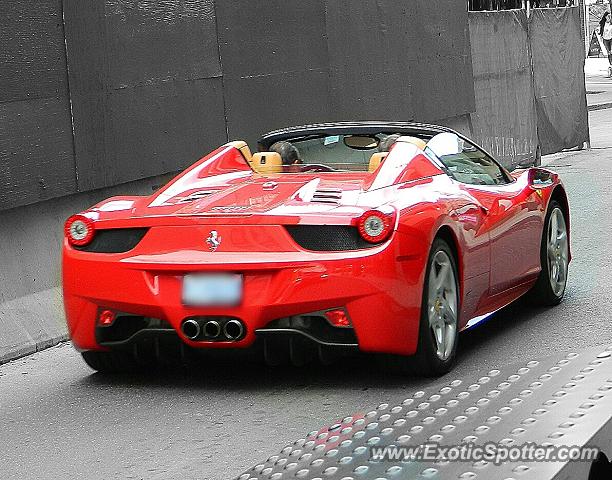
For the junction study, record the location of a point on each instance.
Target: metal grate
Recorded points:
(328, 238)
(564, 399)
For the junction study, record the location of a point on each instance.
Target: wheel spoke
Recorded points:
(439, 332)
(554, 225)
(561, 237)
(557, 251)
(442, 304)
(451, 332)
(449, 317)
(442, 276)
(433, 280)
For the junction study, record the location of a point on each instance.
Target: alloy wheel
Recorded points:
(557, 251)
(442, 304)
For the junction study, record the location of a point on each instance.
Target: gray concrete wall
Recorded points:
(89, 87)
(31, 309)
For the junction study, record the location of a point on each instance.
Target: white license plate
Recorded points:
(214, 289)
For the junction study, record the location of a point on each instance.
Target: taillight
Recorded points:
(375, 226)
(79, 230)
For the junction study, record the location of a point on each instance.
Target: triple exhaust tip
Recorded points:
(191, 329)
(233, 329)
(211, 329)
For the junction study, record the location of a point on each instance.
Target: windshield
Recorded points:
(338, 153)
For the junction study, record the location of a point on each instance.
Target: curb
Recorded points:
(599, 106)
(31, 323)
(24, 351)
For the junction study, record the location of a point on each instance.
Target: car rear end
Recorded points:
(219, 282)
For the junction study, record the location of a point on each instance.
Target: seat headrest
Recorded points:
(420, 143)
(376, 160)
(267, 162)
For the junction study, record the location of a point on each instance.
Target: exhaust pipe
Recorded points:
(191, 329)
(233, 330)
(212, 329)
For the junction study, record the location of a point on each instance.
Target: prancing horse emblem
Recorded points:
(213, 241)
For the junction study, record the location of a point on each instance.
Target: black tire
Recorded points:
(111, 362)
(542, 294)
(426, 362)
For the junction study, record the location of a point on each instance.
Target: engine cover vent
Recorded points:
(196, 196)
(327, 195)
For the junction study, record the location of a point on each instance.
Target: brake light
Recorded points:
(338, 318)
(375, 226)
(79, 230)
(106, 318)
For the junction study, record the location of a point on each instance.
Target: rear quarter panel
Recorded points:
(437, 206)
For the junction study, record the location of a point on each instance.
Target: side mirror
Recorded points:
(539, 178)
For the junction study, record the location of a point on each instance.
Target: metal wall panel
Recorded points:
(162, 128)
(267, 37)
(152, 85)
(530, 86)
(36, 154)
(255, 105)
(505, 121)
(443, 78)
(299, 62)
(145, 85)
(558, 67)
(372, 62)
(151, 41)
(399, 60)
(275, 64)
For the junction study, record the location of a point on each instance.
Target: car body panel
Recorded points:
(496, 231)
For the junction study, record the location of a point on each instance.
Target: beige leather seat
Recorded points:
(376, 160)
(262, 162)
(267, 162)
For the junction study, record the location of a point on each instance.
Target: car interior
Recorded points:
(463, 161)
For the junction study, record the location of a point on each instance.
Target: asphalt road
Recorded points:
(60, 420)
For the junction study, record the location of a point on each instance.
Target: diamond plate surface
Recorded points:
(564, 399)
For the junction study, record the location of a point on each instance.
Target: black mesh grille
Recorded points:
(317, 327)
(328, 238)
(117, 240)
(126, 326)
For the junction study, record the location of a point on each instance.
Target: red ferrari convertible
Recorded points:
(384, 237)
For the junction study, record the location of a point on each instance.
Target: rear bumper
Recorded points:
(380, 288)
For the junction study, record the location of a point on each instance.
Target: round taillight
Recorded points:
(375, 226)
(79, 230)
